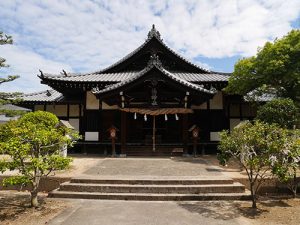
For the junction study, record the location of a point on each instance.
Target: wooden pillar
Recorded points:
(123, 132)
(185, 134)
(153, 135)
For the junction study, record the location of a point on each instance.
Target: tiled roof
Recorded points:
(203, 77)
(148, 68)
(43, 96)
(94, 77)
(118, 77)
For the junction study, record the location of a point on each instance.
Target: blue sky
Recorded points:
(87, 35)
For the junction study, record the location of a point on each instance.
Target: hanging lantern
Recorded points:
(176, 117)
(135, 116)
(166, 117)
(145, 117)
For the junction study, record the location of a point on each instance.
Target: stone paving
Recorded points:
(153, 167)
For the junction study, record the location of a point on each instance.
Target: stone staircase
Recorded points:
(154, 189)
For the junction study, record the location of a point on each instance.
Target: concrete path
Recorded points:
(95, 212)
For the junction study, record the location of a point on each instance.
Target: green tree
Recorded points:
(282, 111)
(4, 40)
(33, 144)
(276, 66)
(6, 98)
(285, 163)
(252, 145)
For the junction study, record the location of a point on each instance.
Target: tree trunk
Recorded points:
(34, 199)
(295, 184)
(253, 195)
(34, 192)
(254, 202)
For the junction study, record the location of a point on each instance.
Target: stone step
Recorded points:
(158, 181)
(151, 197)
(127, 188)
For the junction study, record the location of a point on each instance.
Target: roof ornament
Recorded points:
(65, 73)
(48, 93)
(154, 33)
(154, 61)
(42, 74)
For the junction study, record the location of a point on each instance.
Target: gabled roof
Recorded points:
(154, 63)
(112, 75)
(154, 34)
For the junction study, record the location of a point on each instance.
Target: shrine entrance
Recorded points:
(155, 131)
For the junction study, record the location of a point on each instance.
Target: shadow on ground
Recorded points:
(224, 210)
(12, 206)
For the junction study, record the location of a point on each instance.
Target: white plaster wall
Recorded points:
(91, 101)
(74, 110)
(91, 136)
(215, 136)
(74, 123)
(108, 107)
(58, 110)
(217, 101)
(234, 122)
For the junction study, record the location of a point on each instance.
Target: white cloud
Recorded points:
(27, 64)
(86, 35)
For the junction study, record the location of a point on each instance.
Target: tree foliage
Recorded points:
(6, 98)
(34, 144)
(255, 145)
(281, 111)
(275, 66)
(286, 162)
(4, 40)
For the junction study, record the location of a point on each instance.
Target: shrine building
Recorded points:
(155, 98)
